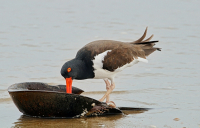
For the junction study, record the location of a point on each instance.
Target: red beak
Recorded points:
(69, 85)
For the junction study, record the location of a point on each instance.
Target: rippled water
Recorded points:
(37, 37)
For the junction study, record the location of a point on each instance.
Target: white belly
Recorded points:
(102, 74)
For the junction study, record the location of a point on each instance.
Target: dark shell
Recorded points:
(43, 100)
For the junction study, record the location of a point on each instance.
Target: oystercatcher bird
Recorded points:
(103, 59)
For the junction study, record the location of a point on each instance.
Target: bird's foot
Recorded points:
(111, 104)
(101, 100)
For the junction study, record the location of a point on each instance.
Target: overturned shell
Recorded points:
(43, 100)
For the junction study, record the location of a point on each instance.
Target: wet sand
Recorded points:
(38, 37)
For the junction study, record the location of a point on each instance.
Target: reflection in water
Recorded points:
(87, 122)
(25, 121)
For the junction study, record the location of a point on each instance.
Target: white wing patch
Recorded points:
(99, 72)
(98, 60)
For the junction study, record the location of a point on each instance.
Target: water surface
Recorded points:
(38, 37)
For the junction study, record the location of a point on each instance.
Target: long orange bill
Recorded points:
(69, 85)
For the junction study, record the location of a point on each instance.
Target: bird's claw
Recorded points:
(101, 100)
(111, 104)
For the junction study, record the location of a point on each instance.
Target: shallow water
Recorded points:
(37, 37)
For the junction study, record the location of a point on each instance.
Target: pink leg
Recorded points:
(109, 88)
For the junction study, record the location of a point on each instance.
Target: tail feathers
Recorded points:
(149, 42)
(141, 39)
(149, 51)
(146, 45)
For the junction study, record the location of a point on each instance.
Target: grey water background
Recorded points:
(38, 37)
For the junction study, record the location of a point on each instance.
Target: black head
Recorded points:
(69, 69)
(76, 69)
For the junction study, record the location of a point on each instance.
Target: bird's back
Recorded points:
(115, 54)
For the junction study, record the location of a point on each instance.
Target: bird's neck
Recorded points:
(85, 71)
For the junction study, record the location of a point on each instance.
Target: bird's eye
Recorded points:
(69, 69)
